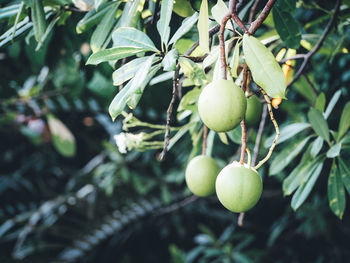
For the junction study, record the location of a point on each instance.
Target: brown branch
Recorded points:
(244, 141)
(261, 18)
(178, 205)
(259, 135)
(318, 45)
(222, 46)
(205, 137)
(169, 111)
(253, 11)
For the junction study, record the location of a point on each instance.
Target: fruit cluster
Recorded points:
(222, 105)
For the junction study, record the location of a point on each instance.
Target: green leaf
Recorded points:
(136, 96)
(192, 71)
(299, 175)
(344, 173)
(47, 32)
(223, 138)
(63, 140)
(334, 151)
(9, 11)
(283, 158)
(163, 23)
(344, 123)
(203, 26)
(185, 27)
(131, 13)
(131, 37)
(286, 133)
(336, 193)
(332, 103)
(112, 54)
(287, 27)
(169, 61)
(121, 99)
(235, 135)
(265, 69)
(219, 11)
(103, 29)
(316, 146)
(235, 60)
(127, 71)
(286, 5)
(319, 124)
(38, 18)
(189, 101)
(346, 139)
(305, 189)
(320, 103)
(92, 18)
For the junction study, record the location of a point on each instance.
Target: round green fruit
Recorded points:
(254, 109)
(183, 8)
(238, 187)
(201, 173)
(222, 105)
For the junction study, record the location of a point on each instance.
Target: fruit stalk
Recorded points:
(205, 136)
(269, 107)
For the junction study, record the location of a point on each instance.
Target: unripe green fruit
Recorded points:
(222, 105)
(183, 8)
(254, 109)
(238, 187)
(201, 173)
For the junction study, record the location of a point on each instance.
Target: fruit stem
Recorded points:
(205, 136)
(249, 157)
(269, 107)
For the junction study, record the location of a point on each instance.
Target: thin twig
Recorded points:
(244, 129)
(318, 45)
(169, 111)
(205, 138)
(253, 11)
(261, 18)
(269, 107)
(222, 45)
(259, 135)
(178, 205)
(311, 84)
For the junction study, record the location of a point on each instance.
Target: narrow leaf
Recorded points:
(287, 27)
(103, 29)
(320, 103)
(286, 156)
(235, 60)
(345, 174)
(319, 124)
(112, 54)
(316, 146)
(334, 151)
(287, 132)
(121, 99)
(131, 37)
(332, 103)
(219, 11)
(265, 69)
(305, 189)
(62, 138)
(163, 23)
(127, 71)
(223, 138)
(344, 123)
(299, 175)
(185, 27)
(203, 26)
(170, 59)
(38, 18)
(336, 193)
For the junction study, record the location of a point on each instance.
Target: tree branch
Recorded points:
(318, 45)
(263, 15)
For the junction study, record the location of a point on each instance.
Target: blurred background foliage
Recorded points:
(87, 202)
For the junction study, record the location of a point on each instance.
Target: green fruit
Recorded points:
(222, 105)
(238, 187)
(201, 173)
(254, 109)
(183, 8)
